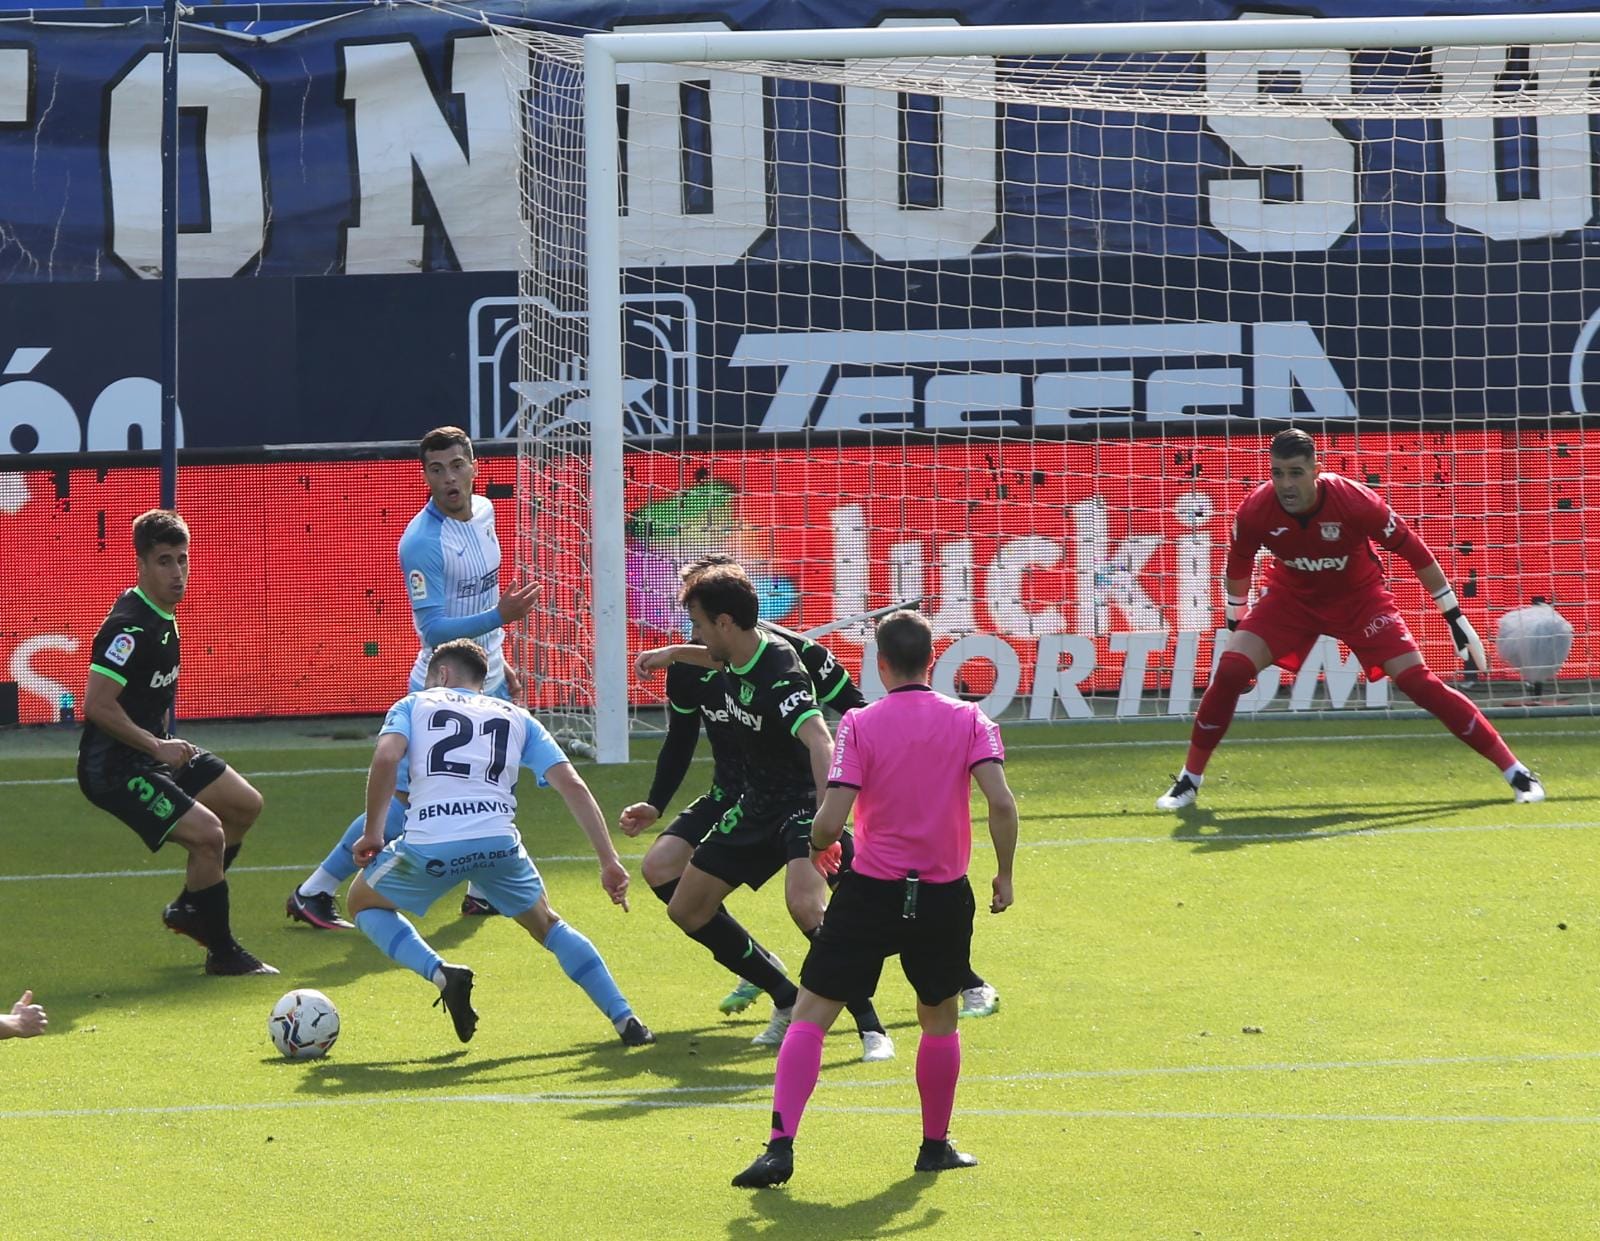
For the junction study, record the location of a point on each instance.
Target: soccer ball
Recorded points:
(303, 1024)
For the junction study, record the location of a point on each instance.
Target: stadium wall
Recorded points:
(349, 235)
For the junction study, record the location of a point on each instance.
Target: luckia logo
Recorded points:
(660, 391)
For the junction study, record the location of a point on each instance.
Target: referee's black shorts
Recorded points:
(865, 925)
(148, 796)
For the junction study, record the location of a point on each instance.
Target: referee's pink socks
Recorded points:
(1456, 712)
(1211, 719)
(938, 1069)
(799, 1064)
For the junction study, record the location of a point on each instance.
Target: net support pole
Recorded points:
(169, 255)
(603, 252)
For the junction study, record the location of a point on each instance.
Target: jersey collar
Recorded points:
(149, 603)
(760, 646)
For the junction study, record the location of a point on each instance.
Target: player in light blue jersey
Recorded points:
(450, 559)
(463, 750)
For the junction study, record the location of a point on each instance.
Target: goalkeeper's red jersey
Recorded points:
(1325, 555)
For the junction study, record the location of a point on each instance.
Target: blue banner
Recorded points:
(350, 229)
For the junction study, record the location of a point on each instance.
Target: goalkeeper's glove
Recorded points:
(1232, 609)
(1469, 646)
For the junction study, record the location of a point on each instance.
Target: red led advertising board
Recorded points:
(1088, 554)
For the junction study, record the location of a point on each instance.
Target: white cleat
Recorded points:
(876, 1046)
(1526, 786)
(979, 1001)
(772, 1036)
(1181, 794)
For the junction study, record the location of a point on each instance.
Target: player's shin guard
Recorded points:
(1456, 712)
(799, 1066)
(737, 951)
(938, 1070)
(581, 962)
(1233, 676)
(398, 940)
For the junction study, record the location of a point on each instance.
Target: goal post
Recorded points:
(1003, 317)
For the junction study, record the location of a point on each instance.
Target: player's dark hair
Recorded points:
(160, 526)
(463, 654)
(1293, 443)
(710, 560)
(724, 590)
(905, 640)
(444, 437)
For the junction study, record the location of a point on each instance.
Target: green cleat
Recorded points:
(740, 998)
(979, 1001)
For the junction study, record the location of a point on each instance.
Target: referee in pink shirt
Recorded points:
(905, 763)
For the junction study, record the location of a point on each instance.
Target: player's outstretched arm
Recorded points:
(1469, 646)
(564, 779)
(672, 764)
(659, 657)
(991, 778)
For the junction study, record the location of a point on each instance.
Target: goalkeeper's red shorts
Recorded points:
(1368, 623)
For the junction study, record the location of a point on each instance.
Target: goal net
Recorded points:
(1002, 320)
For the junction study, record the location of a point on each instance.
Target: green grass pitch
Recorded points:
(1352, 995)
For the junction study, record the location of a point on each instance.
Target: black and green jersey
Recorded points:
(767, 700)
(829, 678)
(696, 698)
(137, 647)
(695, 691)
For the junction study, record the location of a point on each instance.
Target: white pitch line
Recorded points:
(1124, 744)
(1442, 829)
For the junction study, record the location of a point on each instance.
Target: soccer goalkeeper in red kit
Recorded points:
(1325, 578)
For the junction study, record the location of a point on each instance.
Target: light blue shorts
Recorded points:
(414, 876)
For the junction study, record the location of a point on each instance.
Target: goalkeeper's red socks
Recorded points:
(1456, 712)
(1233, 676)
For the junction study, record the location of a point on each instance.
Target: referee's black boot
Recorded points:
(773, 1166)
(941, 1156)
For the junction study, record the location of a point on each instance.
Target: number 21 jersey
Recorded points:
(464, 750)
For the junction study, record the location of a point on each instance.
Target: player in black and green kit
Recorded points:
(767, 739)
(130, 765)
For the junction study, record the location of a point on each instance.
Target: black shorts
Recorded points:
(700, 816)
(753, 841)
(148, 796)
(866, 924)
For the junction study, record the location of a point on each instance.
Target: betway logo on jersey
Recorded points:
(1044, 376)
(1318, 564)
(749, 720)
